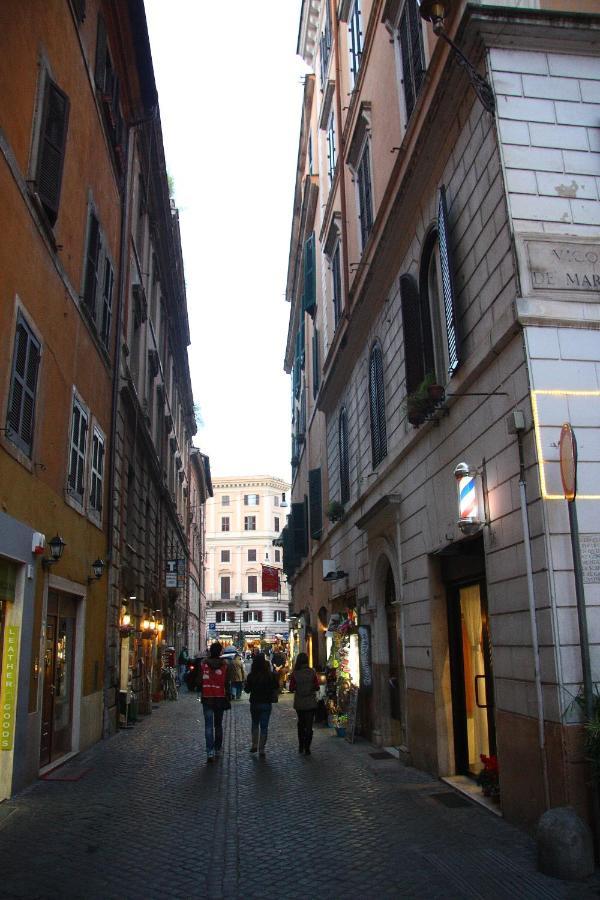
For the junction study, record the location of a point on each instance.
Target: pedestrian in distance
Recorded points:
(182, 663)
(237, 677)
(304, 684)
(262, 685)
(215, 698)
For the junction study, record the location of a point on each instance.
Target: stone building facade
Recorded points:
(444, 311)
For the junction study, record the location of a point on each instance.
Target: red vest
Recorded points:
(213, 680)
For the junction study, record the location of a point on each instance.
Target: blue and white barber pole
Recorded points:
(469, 517)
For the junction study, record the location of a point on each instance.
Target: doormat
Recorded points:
(381, 754)
(60, 774)
(452, 800)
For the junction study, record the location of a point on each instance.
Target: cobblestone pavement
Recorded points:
(150, 819)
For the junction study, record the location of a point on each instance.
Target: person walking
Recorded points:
(237, 677)
(304, 685)
(262, 685)
(182, 663)
(214, 682)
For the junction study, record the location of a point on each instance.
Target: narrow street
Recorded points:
(142, 815)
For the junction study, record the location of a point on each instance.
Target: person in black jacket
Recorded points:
(262, 685)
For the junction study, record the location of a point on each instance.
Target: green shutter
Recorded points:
(448, 284)
(315, 362)
(51, 150)
(309, 296)
(299, 530)
(315, 504)
(411, 329)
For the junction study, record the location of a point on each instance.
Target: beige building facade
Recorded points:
(243, 518)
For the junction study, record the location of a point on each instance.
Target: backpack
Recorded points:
(213, 680)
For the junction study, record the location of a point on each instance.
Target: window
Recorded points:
(223, 616)
(251, 555)
(413, 56)
(79, 429)
(225, 587)
(315, 362)
(331, 156)
(343, 456)
(278, 556)
(365, 199)
(224, 523)
(276, 523)
(325, 45)
(99, 280)
(97, 471)
(107, 83)
(355, 41)
(310, 155)
(51, 148)
(309, 291)
(20, 419)
(279, 615)
(249, 523)
(225, 555)
(336, 279)
(377, 406)
(253, 615)
(276, 500)
(315, 504)
(225, 500)
(252, 584)
(251, 499)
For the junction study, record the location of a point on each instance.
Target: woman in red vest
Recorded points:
(215, 698)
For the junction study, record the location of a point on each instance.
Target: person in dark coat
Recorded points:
(304, 685)
(261, 684)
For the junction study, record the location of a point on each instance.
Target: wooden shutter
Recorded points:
(344, 457)
(90, 287)
(107, 293)
(309, 296)
(404, 35)
(21, 406)
(315, 362)
(51, 151)
(413, 338)
(299, 530)
(417, 56)
(315, 503)
(260, 615)
(101, 46)
(377, 406)
(448, 284)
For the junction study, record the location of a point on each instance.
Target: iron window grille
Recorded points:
(355, 43)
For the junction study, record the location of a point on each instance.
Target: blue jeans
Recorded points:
(261, 713)
(213, 728)
(236, 690)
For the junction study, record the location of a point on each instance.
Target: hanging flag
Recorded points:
(270, 580)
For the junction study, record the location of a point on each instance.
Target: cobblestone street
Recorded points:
(144, 816)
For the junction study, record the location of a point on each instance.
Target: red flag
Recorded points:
(270, 580)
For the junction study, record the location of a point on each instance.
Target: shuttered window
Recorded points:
(225, 587)
(92, 263)
(344, 457)
(79, 430)
(377, 406)
(309, 296)
(448, 284)
(252, 584)
(315, 503)
(315, 362)
(413, 55)
(331, 155)
(414, 353)
(336, 273)
(97, 472)
(23, 387)
(99, 280)
(299, 530)
(106, 307)
(51, 150)
(365, 198)
(107, 82)
(355, 40)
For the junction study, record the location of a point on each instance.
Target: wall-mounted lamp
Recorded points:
(56, 546)
(97, 569)
(160, 628)
(125, 617)
(145, 623)
(435, 11)
(284, 502)
(468, 484)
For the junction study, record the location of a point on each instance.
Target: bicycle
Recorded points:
(169, 683)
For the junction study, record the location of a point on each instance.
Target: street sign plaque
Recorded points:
(567, 447)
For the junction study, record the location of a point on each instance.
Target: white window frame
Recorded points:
(279, 615)
(77, 499)
(96, 472)
(249, 523)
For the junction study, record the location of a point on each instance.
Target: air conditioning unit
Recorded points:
(331, 571)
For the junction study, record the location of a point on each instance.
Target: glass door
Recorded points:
(59, 659)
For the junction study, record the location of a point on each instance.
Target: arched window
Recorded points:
(343, 456)
(377, 406)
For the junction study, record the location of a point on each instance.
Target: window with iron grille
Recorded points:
(365, 198)
(20, 419)
(224, 523)
(225, 555)
(51, 148)
(377, 406)
(410, 36)
(252, 584)
(249, 523)
(344, 459)
(331, 152)
(251, 555)
(79, 430)
(225, 587)
(97, 471)
(355, 41)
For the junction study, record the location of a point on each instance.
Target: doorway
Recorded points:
(59, 667)
(471, 677)
(395, 668)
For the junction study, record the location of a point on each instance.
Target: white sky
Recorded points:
(230, 93)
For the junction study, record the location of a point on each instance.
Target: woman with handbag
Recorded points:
(262, 685)
(304, 685)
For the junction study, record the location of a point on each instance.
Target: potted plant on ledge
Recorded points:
(422, 401)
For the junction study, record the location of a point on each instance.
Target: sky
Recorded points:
(230, 93)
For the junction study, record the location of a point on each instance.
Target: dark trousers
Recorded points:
(305, 724)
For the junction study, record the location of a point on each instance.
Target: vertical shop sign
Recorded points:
(364, 644)
(8, 694)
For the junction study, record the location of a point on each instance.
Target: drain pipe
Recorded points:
(519, 426)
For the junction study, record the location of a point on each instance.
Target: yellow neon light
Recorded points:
(538, 438)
